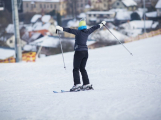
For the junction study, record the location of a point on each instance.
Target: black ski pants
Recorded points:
(79, 64)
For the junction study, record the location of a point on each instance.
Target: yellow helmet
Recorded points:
(82, 24)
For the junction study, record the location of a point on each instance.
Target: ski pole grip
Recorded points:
(57, 31)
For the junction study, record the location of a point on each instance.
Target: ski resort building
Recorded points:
(94, 17)
(46, 6)
(125, 4)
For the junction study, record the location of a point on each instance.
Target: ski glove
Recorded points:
(58, 28)
(102, 23)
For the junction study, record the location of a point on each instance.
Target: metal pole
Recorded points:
(16, 31)
(118, 40)
(61, 50)
(144, 19)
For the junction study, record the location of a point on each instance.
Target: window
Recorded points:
(40, 6)
(27, 5)
(55, 6)
(118, 4)
(101, 15)
(44, 5)
(89, 15)
(34, 6)
(134, 8)
(51, 6)
(11, 41)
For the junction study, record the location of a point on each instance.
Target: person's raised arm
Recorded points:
(69, 30)
(92, 29)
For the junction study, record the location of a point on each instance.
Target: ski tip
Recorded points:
(55, 92)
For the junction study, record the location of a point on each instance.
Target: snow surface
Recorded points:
(6, 53)
(126, 87)
(158, 5)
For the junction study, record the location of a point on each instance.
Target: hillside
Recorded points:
(125, 87)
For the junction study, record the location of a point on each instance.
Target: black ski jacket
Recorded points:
(81, 37)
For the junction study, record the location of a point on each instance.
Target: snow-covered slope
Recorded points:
(126, 87)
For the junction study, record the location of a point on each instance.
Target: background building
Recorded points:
(37, 6)
(125, 4)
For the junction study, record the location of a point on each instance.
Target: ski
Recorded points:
(64, 91)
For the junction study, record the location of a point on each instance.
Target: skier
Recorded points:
(81, 53)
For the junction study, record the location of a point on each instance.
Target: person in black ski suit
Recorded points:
(81, 53)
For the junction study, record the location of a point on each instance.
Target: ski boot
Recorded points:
(76, 88)
(87, 87)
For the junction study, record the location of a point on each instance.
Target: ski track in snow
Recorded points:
(126, 87)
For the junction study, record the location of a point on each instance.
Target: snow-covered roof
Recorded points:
(100, 12)
(34, 36)
(151, 14)
(43, 0)
(155, 24)
(46, 41)
(10, 28)
(73, 23)
(129, 3)
(158, 5)
(40, 26)
(93, 19)
(81, 15)
(138, 24)
(46, 18)
(29, 48)
(106, 35)
(6, 36)
(35, 18)
(6, 53)
(87, 6)
(123, 15)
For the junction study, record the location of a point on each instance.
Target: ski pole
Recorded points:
(118, 40)
(61, 49)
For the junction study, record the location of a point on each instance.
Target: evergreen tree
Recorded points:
(135, 16)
